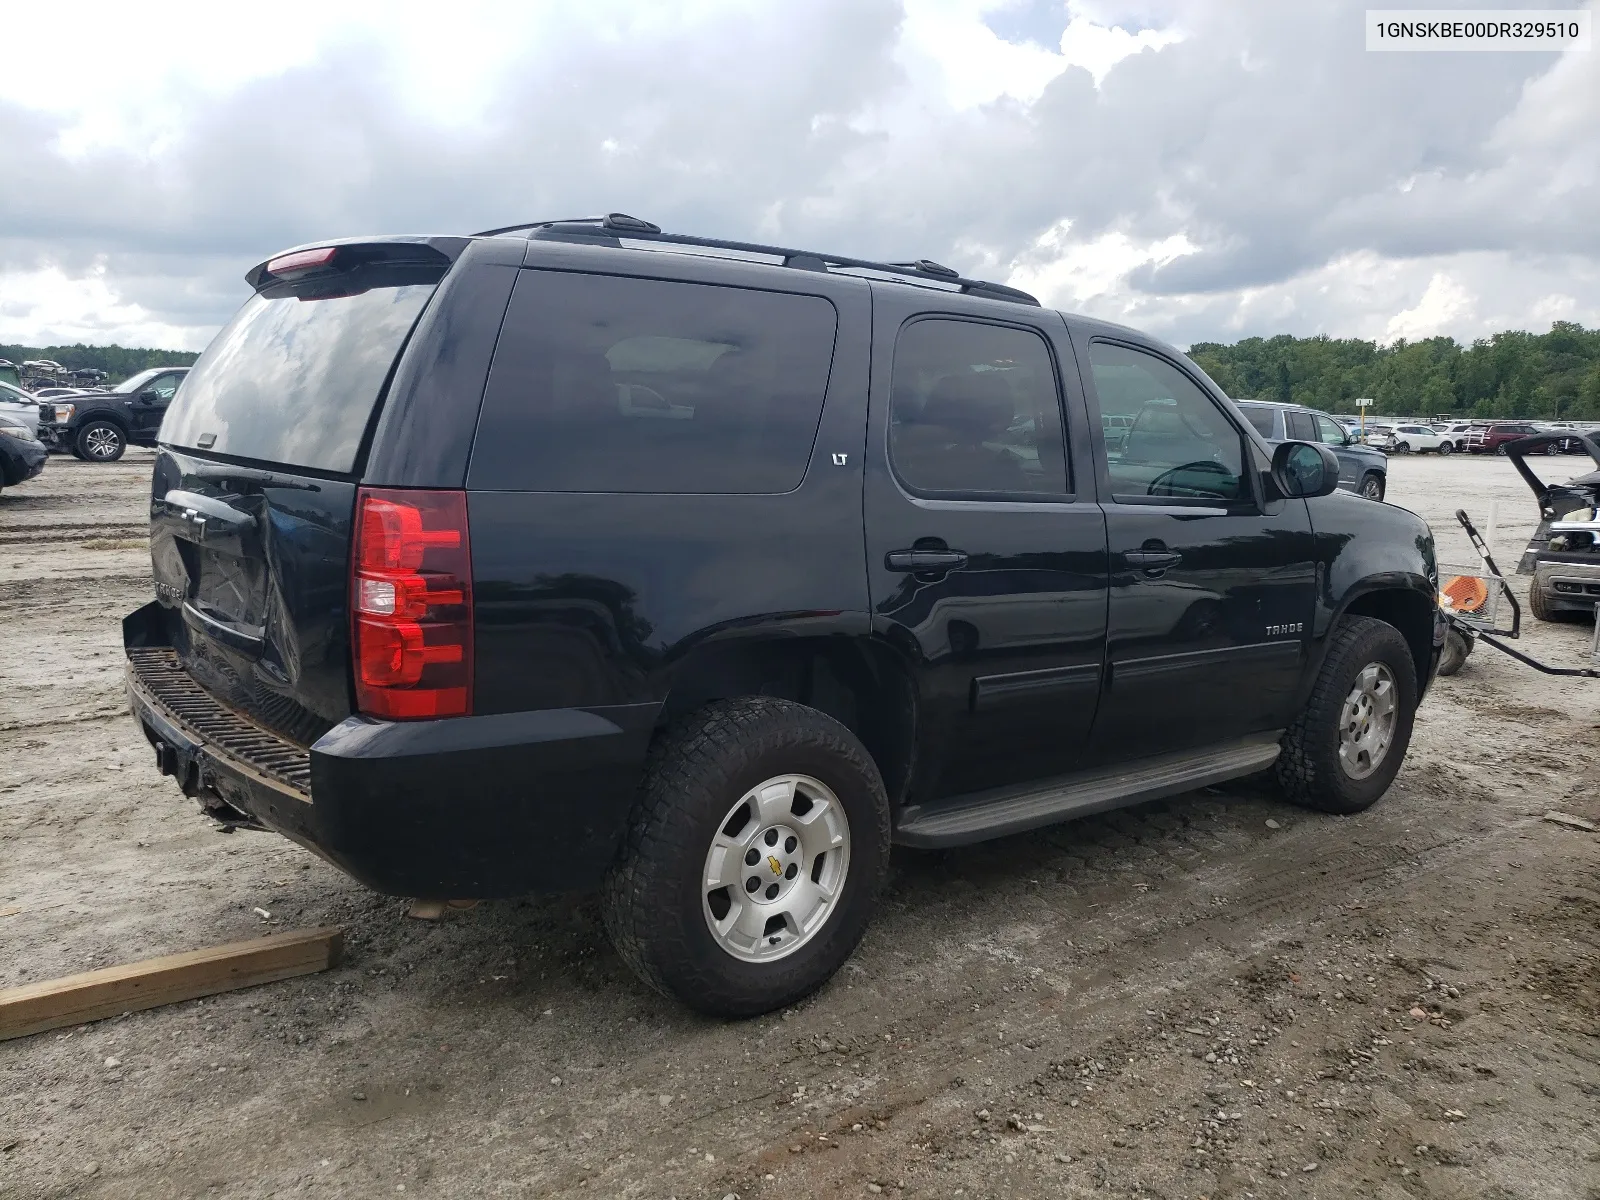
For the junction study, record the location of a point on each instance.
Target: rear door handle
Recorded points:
(1151, 560)
(924, 561)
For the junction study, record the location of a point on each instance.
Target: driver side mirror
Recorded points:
(1304, 470)
(150, 396)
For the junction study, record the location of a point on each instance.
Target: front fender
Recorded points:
(1376, 560)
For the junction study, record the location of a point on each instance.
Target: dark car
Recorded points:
(99, 426)
(21, 454)
(556, 558)
(1493, 439)
(1362, 469)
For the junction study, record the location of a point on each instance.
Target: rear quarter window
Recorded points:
(1260, 418)
(614, 384)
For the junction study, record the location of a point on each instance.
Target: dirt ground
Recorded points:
(1213, 996)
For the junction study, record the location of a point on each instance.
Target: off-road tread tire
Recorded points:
(696, 769)
(1307, 771)
(1454, 655)
(1540, 609)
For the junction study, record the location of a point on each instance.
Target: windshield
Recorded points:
(295, 381)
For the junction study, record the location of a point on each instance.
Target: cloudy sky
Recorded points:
(1204, 170)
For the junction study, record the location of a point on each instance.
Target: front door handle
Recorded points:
(922, 562)
(1152, 561)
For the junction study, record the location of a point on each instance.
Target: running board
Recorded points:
(998, 812)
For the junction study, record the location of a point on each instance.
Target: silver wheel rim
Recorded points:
(1366, 724)
(1370, 491)
(102, 442)
(796, 831)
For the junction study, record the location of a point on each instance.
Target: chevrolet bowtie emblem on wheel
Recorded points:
(777, 867)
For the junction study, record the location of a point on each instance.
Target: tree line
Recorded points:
(1544, 376)
(118, 362)
(1548, 376)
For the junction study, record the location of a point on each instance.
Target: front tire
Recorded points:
(100, 441)
(1372, 486)
(1349, 742)
(1539, 606)
(756, 779)
(1501, 449)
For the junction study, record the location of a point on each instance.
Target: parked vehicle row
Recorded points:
(1460, 437)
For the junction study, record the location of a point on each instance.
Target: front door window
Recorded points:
(1179, 444)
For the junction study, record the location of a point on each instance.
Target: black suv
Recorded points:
(559, 557)
(98, 426)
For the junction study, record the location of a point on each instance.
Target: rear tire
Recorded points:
(1454, 655)
(1403, 448)
(721, 950)
(1445, 449)
(100, 441)
(1501, 449)
(1372, 486)
(1331, 759)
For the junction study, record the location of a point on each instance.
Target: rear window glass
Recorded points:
(294, 381)
(1261, 418)
(607, 384)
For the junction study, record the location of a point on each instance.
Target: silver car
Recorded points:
(20, 407)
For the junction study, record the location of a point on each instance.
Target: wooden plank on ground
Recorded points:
(110, 991)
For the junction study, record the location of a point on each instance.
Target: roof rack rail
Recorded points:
(610, 229)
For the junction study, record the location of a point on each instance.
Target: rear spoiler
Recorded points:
(361, 251)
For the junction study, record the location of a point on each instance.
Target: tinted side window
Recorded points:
(975, 408)
(1261, 418)
(163, 386)
(607, 384)
(1329, 432)
(1180, 444)
(1301, 427)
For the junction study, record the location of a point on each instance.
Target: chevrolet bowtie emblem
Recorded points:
(777, 867)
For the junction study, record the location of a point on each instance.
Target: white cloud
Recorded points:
(1085, 275)
(52, 308)
(1443, 307)
(1098, 48)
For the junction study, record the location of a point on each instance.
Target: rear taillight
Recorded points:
(411, 604)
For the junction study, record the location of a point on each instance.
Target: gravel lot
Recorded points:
(1212, 996)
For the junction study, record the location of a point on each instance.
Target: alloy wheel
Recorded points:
(102, 441)
(1367, 721)
(776, 868)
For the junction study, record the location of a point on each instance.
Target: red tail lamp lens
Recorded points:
(411, 600)
(301, 260)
